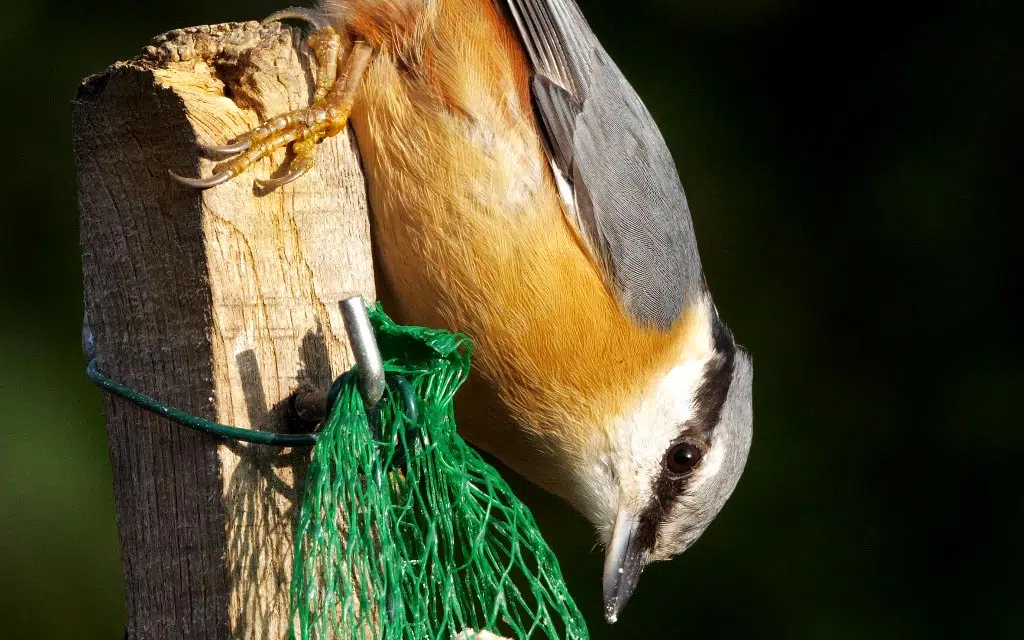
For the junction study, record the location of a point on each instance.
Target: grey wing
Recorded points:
(627, 203)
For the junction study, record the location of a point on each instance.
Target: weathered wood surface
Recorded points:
(220, 303)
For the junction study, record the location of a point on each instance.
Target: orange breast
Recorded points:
(471, 233)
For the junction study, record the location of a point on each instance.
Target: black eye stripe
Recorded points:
(708, 402)
(710, 396)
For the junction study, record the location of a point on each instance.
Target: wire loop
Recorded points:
(369, 371)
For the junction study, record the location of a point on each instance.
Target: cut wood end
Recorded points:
(261, 68)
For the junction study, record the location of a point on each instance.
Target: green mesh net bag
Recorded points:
(404, 530)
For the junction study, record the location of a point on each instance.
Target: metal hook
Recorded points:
(312, 405)
(369, 366)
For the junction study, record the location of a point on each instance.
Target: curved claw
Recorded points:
(202, 183)
(232, 149)
(297, 170)
(315, 18)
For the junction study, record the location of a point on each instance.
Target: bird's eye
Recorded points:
(682, 458)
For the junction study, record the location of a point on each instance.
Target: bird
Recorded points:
(522, 194)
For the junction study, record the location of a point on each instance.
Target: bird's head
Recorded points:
(656, 476)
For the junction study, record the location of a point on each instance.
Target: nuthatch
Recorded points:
(521, 193)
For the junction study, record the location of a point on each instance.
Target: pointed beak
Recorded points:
(623, 562)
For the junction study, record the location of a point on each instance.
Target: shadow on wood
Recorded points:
(219, 303)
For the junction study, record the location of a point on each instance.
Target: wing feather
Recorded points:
(628, 204)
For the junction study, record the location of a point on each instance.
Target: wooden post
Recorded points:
(220, 303)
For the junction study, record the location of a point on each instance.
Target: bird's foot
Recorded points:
(301, 129)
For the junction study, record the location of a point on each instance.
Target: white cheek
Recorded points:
(643, 436)
(621, 462)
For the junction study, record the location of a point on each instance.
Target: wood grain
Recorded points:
(220, 303)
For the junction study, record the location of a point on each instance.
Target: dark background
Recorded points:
(849, 169)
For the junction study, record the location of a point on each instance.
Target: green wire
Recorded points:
(196, 423)
(254, 436)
